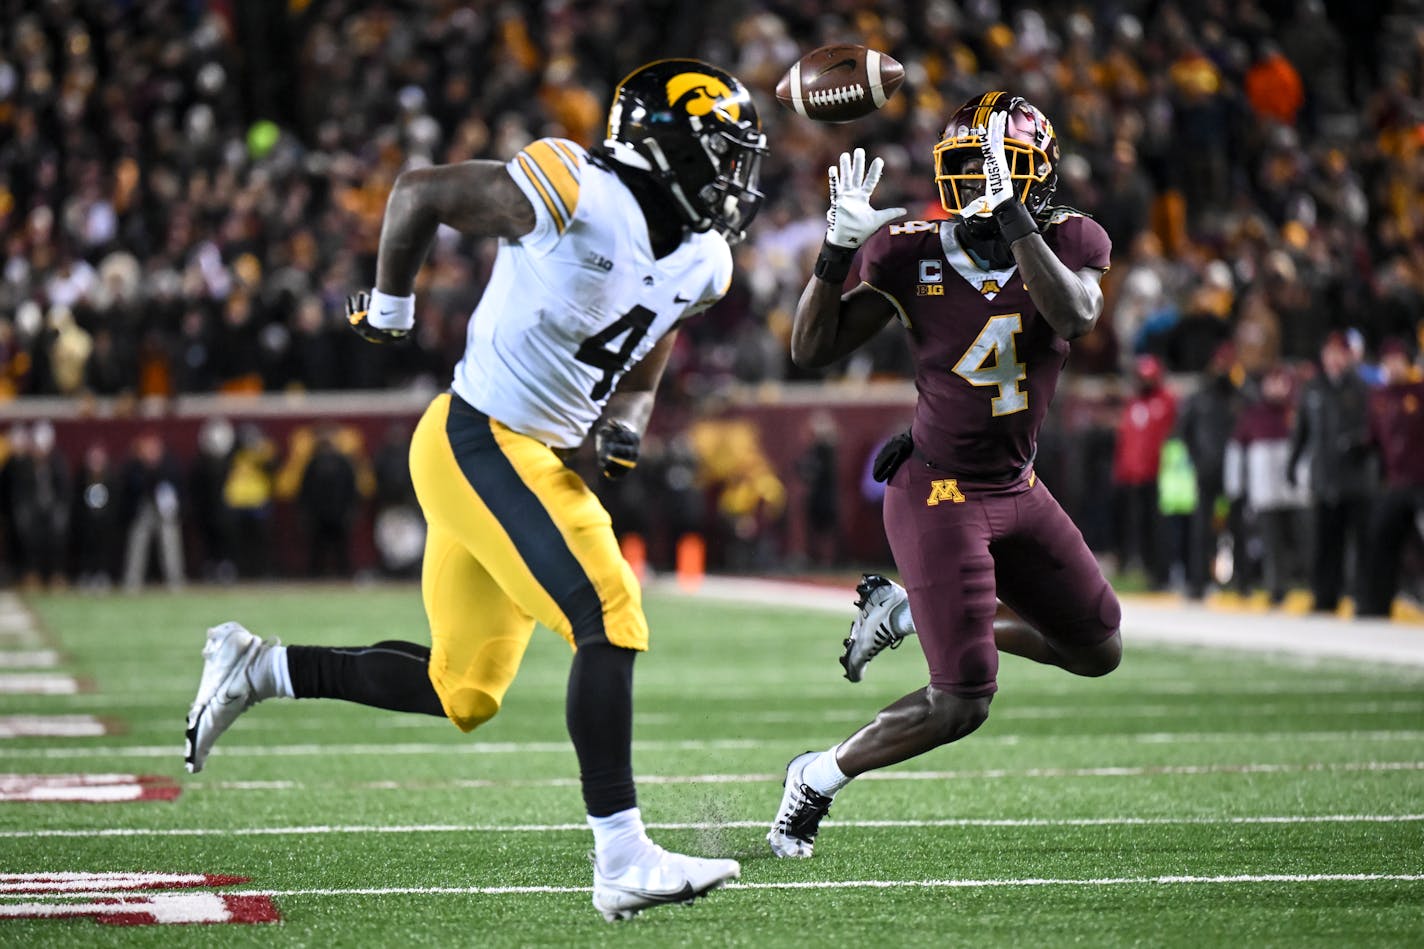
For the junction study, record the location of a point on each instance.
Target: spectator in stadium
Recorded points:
(95, 523)
(1207, 422)
(1145, 423)
(214, 189)
(152, 512)
(1397, 433)
(16, 453)
(248, 493)
(820, 480)
(38, 490)
(328, 500)
(1331, 430)
(1255, 472)
(399, 529)
(681, 502)
(207, 489)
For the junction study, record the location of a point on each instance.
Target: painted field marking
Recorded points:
(1242, 692)
(57, 894)
(87, 788)
(164, 909)
(39, 684)
(755, 778)
(61, 881)
(29, 659)
(872, 884)
(325, 829)
(737, 744)
(1310, 707)
(53, 726)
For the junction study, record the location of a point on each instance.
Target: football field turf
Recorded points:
(1191, 797)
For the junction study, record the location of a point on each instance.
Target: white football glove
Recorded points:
(998, 185)
(851, 218)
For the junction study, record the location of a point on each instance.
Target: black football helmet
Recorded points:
(695, 129)
(1030, 147)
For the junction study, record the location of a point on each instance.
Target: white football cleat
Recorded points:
(872, 631)
(656, 878)
(225, 690)
(793, 833)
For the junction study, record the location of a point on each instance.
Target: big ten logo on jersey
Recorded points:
(597, 261)
(946, 490)
(913, 227)
(931, 279)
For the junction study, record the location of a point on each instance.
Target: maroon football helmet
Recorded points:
(1030, 147)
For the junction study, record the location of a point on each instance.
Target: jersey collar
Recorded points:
(978, 276)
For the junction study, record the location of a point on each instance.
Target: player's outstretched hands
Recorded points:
(998, 186)
(617, 447)
(358, 315)
(851, 218)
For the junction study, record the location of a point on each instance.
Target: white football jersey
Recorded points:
(578, 300)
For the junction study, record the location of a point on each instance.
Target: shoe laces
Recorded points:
(804, 820)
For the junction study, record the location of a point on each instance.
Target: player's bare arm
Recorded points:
(477, 198)
(632, 402)
(618, 437)
(828, 325)
(1070, 302)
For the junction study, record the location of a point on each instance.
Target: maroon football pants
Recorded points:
(960, 546)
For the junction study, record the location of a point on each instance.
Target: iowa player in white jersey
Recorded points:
(601, 254)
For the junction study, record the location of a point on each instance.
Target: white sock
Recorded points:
(618, 838)
(900, 619)
(823, 775)
(269, 674)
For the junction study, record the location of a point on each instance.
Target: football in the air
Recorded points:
(839, 83)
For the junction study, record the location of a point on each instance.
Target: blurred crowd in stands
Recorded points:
(190, 188)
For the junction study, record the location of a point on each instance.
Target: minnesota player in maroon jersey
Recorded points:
(990, 299)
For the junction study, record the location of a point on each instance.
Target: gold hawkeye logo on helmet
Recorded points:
(700, 93)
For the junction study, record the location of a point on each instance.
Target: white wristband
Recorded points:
(391, 313)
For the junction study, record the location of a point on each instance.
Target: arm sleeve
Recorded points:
(870, 262)
(1082, 242)
(878, 272)
(549, 173)
(719, 281)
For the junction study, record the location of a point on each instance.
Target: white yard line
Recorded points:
(29, 659)
(1144, 620)
(38, 683)
(729, 744)
(1376, 767)
(994, 773)
(1225, 879)
(52, 726)
(325, 829)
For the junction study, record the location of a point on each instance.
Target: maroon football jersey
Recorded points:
(986, 361)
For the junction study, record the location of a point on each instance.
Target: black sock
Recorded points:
(599, 712)
(390, 674)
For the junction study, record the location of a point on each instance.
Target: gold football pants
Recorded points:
(514, 537)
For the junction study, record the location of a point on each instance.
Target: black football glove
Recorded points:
(358, 309)
(617, 448)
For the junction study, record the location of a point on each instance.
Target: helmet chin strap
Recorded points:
(626, 154)
(656, 164)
